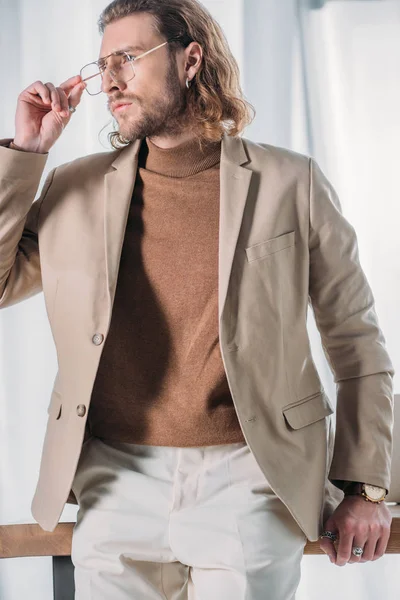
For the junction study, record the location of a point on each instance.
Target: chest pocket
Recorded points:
(270, 246)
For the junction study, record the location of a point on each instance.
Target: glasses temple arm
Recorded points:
(91, 77)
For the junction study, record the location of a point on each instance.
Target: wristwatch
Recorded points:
(371, 493)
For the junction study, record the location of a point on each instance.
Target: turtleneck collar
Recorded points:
(181, 161)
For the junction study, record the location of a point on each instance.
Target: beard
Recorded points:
(166, 115)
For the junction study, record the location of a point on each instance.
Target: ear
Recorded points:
(193, 59)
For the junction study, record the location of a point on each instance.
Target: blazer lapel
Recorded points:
(235, 183)
(234, 186)
(118, 189)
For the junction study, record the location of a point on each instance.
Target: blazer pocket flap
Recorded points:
(55, 406)
(308, 411)
(270, 246)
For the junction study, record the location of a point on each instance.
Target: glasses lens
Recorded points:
(92, 74)
(119, 66)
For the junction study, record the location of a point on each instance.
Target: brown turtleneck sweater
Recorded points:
(161, 380)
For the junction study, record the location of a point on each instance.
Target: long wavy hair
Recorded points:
(215, 100)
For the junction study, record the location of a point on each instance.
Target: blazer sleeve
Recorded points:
(20, 174)
(353, 343)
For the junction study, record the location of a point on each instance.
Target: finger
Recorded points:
(328, 547)
(359, 542)
(344, 549)
(39, 89)
(369, 549)
(70, 83)
(55, 99)
(76, 95)
(381, 546)
(64, 103)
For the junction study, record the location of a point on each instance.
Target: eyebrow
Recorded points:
(126, 49)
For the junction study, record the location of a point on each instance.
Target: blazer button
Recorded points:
(97, 339)
(81, 410)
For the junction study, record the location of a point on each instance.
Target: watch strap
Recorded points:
(352, 487)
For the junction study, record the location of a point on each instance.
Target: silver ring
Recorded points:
(357, 551)
(72, 109)
(330, 535)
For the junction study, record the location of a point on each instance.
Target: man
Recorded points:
(187, 418)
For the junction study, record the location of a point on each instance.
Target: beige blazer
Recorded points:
(284, 243)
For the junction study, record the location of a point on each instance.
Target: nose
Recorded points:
(108, 84)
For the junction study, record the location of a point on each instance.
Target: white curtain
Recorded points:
(348, 60)
(323, 78)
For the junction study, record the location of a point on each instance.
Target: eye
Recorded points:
(130, 57)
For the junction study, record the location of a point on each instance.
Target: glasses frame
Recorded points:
(135, 58)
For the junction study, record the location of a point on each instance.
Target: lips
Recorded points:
(119, 104)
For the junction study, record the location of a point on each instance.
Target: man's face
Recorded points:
(156, 93)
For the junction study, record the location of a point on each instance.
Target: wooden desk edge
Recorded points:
(31, 540)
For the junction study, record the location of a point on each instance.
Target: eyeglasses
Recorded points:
(122, 69)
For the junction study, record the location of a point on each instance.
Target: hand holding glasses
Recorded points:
(44, 110)
(42, 113)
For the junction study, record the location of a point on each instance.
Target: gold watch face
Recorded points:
(374, 492)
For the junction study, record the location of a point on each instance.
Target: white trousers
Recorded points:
(196, 523)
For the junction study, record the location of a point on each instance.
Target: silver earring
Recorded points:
(187, 83)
